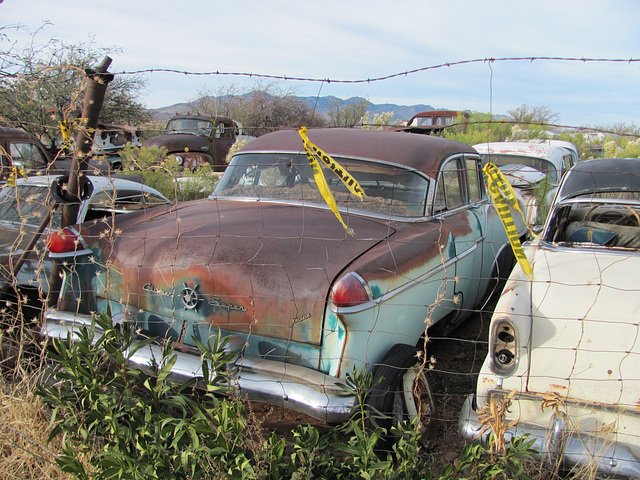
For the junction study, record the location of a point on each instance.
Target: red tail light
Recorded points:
(349, 291)
(63, 241)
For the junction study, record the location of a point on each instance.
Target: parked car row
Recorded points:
(23, 152)
(310, 285)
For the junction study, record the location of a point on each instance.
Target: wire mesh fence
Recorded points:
(406, 289)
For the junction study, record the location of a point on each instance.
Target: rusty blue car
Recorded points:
(307, 286)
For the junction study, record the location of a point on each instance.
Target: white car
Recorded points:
(564, 345)
(525, 164)
(25, 205)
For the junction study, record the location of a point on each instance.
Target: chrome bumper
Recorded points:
(291, 386)
(558, 446)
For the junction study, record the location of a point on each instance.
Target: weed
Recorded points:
(115, 421)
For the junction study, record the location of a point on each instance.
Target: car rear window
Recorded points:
(25, 203)
(389, 189)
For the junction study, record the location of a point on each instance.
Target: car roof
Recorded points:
(552, 152)
(601, 175)
(556, 143)
(16, 133)
(540, 150)
(424, 153)
(200, 117)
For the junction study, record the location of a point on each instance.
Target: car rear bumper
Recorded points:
(560, 444)
(292, 386)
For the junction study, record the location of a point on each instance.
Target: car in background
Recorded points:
(21, 150)
(434, 121)
(194, 140)
(304, 298)
(24, 152)
(23, 207)
(564, 344)
(534, 169)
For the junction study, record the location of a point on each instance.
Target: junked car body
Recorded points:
(194, 140)
(26, 204)
(21, 150)
(564, 348)
(526, 164)
(265, 260)
(434, 121)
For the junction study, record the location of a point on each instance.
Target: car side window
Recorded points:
(27, 155)
(567, 163)
(450, 193)
(476, 190)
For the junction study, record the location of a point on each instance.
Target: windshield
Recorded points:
(544, 166)
(190, 126)
(390, 190)
(422, 121)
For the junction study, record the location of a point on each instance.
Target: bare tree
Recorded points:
(260, 109)
(344, 113)
(533, 115)
(42, 84)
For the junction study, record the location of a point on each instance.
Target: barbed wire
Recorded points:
(385, 77)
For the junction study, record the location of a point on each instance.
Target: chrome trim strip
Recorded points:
(75, 253)
(349, 211)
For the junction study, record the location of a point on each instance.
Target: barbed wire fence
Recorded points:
(459, 356)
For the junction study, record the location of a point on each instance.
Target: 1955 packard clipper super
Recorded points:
(304, 298)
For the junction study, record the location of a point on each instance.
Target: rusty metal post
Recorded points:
(97, 81)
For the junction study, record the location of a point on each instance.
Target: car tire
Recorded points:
(402, 390)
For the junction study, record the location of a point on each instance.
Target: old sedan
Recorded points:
(29, 201)
(564, 349)
(306, 298)
(534, 169)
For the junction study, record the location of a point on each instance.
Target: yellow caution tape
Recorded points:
(64, 130)
(15, 173)
(313, 154)
(503, 195)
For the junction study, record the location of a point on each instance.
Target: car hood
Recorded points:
(255, 267)
(584, 337)
(177, 142)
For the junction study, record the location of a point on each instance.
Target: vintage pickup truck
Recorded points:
(21, 150)
(196, 140)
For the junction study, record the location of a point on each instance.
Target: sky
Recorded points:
(345, 47)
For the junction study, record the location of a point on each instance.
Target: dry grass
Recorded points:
(24, 428)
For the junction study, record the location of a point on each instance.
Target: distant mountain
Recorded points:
(320, 104)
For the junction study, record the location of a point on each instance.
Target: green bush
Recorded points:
(118, 422)
(162, 173)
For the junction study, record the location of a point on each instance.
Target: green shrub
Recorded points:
(115, 421)
(132, 424)
(161, 172)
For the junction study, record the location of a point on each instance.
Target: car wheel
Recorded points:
(402, 390)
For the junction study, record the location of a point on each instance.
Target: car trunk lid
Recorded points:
(245, 266)
(585, 325)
